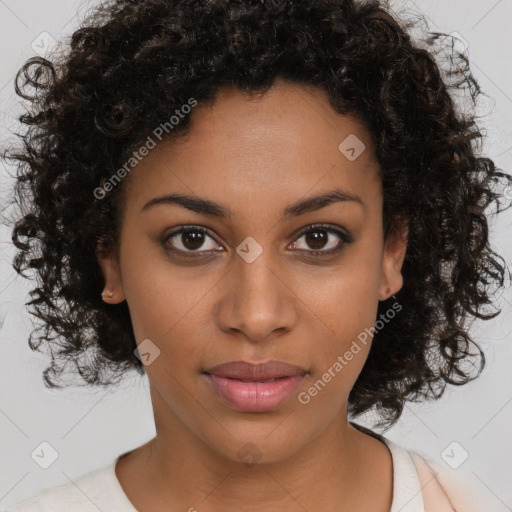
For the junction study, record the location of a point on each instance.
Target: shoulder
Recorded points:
(421, 484)
(442, 491)
(87, 493)
(436, 496)
(31, 504)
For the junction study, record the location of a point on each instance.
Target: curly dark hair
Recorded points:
(134, 62)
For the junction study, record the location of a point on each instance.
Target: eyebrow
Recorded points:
(207, 207)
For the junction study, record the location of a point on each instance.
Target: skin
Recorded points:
(255, 156)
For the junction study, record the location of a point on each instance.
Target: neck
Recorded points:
(178, 470)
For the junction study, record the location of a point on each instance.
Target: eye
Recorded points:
(188, 239)
(321, 239)
(195, 241)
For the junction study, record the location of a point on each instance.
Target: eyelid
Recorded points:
(326, 227)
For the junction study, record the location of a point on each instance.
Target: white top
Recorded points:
(100, 490)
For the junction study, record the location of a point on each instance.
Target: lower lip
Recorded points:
(255, 396)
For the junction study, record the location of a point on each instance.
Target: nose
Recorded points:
(257, 300)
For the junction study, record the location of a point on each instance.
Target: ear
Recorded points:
(392, 261)
(109, 264)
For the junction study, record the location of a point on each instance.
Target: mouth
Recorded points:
(255, 387)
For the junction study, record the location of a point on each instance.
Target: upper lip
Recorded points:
(245, 370)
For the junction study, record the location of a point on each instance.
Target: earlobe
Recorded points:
(109, 264)
(394, 255)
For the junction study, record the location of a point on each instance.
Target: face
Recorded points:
(261, 273)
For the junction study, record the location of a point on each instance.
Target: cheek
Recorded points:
(340, 351)
(162, 297)
(343, 307)
(169, 314)
(345, 300)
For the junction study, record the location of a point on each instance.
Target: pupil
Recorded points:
(316, 239)
(192, 239)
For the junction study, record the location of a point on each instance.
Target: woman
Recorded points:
(284, 213)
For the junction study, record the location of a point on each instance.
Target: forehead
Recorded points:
(253, 148)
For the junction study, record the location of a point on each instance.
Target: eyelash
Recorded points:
(344, 237)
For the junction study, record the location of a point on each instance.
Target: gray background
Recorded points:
(89, 427)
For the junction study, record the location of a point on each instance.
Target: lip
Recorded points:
(248, 371)
(255, 387)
